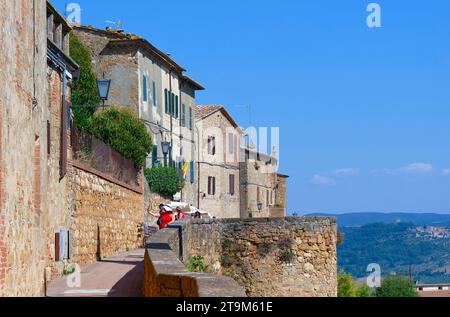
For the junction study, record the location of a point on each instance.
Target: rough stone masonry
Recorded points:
(270, 257)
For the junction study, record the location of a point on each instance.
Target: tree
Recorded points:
(397, 286)
(364, 290)
(84, 90)
(346, 285)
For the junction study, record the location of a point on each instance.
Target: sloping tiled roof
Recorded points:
(119, 37)
(201, 112)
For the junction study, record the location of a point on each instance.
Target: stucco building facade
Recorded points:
(153, 86)
(218, 162)
(261, 185)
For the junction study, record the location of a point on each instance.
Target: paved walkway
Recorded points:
(118, 276)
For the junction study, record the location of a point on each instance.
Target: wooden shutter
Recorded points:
(154, 92)
(63, 150)
(232, 186)
(166, 100)
(57, 247)
(214, 185)
(190, 118)
(176, 107)
(209, 185)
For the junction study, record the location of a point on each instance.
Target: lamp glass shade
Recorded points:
(103, 86)
(165, 147)
(260, 206)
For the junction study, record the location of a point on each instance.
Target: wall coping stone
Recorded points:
(170, 273)
(305, 220)
(88, 169)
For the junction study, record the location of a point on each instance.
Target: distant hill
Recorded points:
(396, 247)
(361, 219)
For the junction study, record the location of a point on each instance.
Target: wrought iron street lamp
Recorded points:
(103, 86)
(260, 206)
(165, 149)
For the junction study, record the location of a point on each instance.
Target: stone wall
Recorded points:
(166, 276)
(22, 78)
(107, 216)
(271, 257)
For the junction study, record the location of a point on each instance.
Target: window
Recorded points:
(211, 186)
(155, 156)
(230, 143)
(267, 198)
(176, 107)
(190, 118)
(144, 89)
(154, 94)
(172, 102)
(166, 100)
(183, 115)
(211, 145)
(232, 186)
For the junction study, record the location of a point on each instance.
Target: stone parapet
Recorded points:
(166, 276)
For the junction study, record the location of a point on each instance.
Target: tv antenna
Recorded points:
(117, 24)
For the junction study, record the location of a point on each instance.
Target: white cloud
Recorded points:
(413, 168)
(322, 180)
(346, 171)
(446, 172)
(417, 168)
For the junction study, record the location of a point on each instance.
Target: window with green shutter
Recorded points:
(166, 100)
(144, 89)
(176, 107)
(155, 155)
(154, 93)
(190, 118)
(172, 102)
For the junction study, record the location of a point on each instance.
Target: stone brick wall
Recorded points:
(22, 78)
(166, 276)
(271, 257)
(107, 216)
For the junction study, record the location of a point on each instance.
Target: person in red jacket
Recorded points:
(165, 216)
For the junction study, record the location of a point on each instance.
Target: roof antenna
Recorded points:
(117, 24)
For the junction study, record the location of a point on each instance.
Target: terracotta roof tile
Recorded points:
(201, 112)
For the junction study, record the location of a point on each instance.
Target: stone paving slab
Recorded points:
(118, 276)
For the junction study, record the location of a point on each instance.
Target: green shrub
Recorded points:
(397, 286)
(165, 181)
(346, 285)
(124, 132)
(197, 264)
(84, 90)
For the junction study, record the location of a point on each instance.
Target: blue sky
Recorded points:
(363, 113)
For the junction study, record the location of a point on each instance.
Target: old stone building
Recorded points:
(262, 188)
(34, 209)
(153, 85)
(218, 161)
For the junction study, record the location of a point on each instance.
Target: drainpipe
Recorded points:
(198, 167)
(181, 128)
(171, 122)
